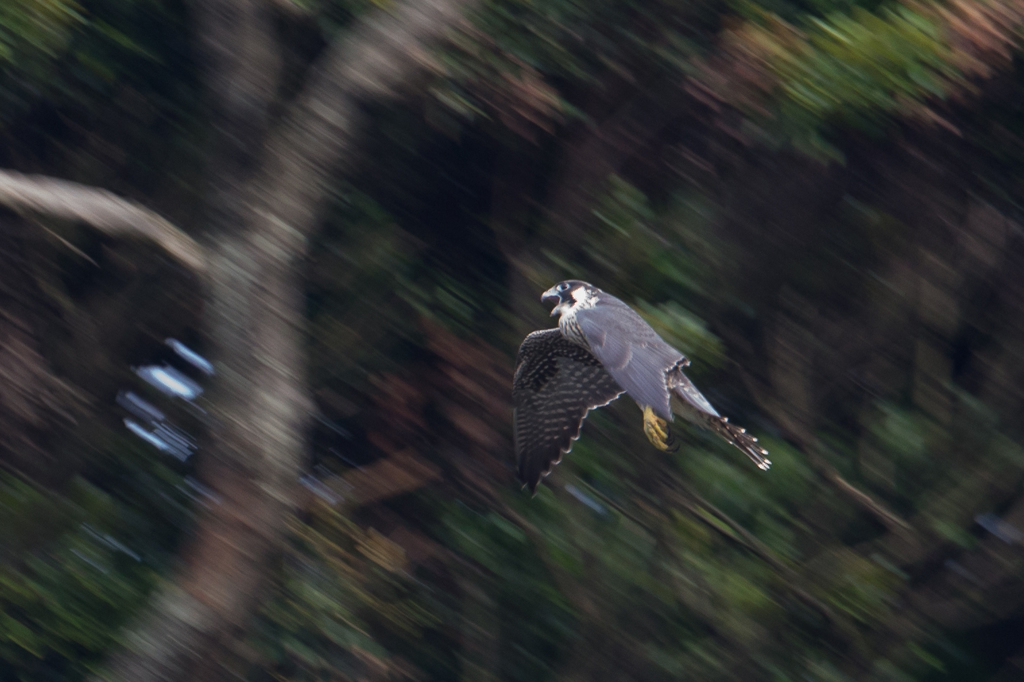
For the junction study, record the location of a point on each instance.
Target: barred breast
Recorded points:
(570, 328)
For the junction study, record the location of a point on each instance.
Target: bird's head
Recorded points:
(569, 294)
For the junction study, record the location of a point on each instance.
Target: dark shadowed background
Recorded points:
(351, 208)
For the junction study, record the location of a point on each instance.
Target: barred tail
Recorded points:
(738, 437)
(694, 407)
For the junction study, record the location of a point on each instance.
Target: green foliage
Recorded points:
(628, 564)
(78, 566)
(68, 605)
(636, 246)
(902, 434)
(685, 331)
(361, 258)
(32, 30)
(342, 592)
(861, 68)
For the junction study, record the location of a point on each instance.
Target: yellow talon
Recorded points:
(656, 430)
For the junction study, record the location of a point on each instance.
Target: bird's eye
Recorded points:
(563, 286)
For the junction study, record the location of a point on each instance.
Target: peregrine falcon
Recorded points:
(601, 349)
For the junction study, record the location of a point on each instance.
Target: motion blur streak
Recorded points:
(265, 267)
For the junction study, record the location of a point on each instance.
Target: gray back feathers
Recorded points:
(632, 352)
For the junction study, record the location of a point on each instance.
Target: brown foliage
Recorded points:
(517, 95)
(466, 384)
(32, 398)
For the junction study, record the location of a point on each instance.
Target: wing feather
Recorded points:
(556, 384)
(632, 352)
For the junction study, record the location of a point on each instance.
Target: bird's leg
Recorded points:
(656, 430)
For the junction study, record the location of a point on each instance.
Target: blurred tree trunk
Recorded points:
(267, 190)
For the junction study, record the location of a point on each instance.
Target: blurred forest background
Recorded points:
(351, 208)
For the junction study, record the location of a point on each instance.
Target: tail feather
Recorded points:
(694, 407)
(739, 438)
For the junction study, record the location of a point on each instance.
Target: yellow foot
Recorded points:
(656, 430)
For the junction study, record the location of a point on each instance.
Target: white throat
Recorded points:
(581, 300)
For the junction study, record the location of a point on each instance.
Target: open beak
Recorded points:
(551, 296)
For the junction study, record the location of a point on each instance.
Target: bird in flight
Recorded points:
(601, 349)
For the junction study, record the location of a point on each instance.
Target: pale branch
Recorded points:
(889, 519)
(64, 242)
(100, 208)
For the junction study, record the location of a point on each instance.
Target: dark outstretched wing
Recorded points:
(632, 352)
(696, 408)
(556, 383)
